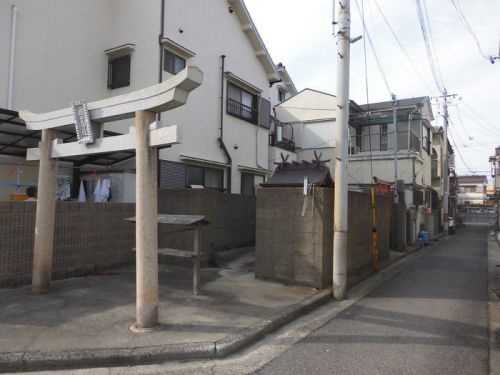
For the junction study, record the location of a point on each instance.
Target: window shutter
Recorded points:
(265, 113)
(172, 175)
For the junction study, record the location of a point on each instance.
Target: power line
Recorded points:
(430, 57)
(459, 153)
(468, 27)
(366, 34)
(401, 46)
(362, 13)
(433, 45)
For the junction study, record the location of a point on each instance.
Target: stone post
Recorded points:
(45, 216)
(146, 224)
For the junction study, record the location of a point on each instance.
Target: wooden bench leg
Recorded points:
(196, 260)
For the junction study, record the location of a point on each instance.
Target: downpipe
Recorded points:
(222, 145)
(12, 55)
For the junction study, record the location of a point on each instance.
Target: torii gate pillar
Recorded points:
(143, 105)
(45, 215)
(146, 224)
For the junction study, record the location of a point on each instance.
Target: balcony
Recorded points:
(285, 144)
(242, 111)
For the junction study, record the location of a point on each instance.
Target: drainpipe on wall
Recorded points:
(160, 78)
(160, 37)
(12, 53)
(257, 136)
(221, 138)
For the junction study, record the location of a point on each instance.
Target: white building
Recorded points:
(308, 119)
(67, 51)
(472, 190)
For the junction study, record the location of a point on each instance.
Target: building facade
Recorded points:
(472, 190)
(83, 51)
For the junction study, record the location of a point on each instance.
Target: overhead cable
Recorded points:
(468, 27)
(430, 57)
(402, 47)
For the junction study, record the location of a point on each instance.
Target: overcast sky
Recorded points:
(298, 33)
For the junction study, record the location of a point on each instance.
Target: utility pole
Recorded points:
(341, 136)
(446, 175)
(446, 169)
(396, 196)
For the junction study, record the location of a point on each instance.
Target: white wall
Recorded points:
(200, 118)
(60, 58)
(308, 105)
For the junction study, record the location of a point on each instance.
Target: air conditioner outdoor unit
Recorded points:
(354, 150)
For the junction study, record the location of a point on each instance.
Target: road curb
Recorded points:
(493, 303)
(234, 342)
(106, 357)
(109, 357)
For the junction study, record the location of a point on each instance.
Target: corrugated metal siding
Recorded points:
(172, 175)
(318, 134)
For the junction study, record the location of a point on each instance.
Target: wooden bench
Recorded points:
(191, 222)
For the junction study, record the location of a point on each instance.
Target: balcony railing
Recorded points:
(242, 111)
(414, 142)
(286, 144)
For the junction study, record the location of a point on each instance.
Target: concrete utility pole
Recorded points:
(341, 136)
(396, 195)
(395, 122)
(446, 173)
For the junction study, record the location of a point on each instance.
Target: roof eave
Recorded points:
(256, 41)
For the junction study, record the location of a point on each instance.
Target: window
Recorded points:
(194, 176)
(241, 103)
(179, 176)
(172, 63)
(247, 184)
(426, 145)
(281, 96)
(119, 72)
(434, 164)
(210, 178)
(383, 137)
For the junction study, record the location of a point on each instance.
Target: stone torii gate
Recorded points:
(89, 121)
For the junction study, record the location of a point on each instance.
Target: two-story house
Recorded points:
(472, 190)
(307, 121)
(67, 51)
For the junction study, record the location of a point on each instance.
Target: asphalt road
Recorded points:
(431, 318)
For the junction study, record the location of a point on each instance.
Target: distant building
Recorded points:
(472, 190)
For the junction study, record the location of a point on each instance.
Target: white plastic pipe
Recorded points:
(341, 136)
(12, 54)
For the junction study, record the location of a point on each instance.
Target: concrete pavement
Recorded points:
(431, 318)
(84, 322)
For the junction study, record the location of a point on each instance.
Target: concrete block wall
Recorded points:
(292, 248)
(231, 217)
(296, 249)
(360, 228)
(88, 237)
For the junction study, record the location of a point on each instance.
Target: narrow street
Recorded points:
(431, 318)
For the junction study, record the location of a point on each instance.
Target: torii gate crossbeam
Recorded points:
(143, 105)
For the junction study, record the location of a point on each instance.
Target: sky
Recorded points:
(298, 33)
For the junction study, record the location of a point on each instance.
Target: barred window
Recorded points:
(119, 72)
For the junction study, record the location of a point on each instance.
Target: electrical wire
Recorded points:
(468, 27)
(433, 45)
(366, 84)
(366, 34)
(459, 153)
(430, 57)
(401, 46)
